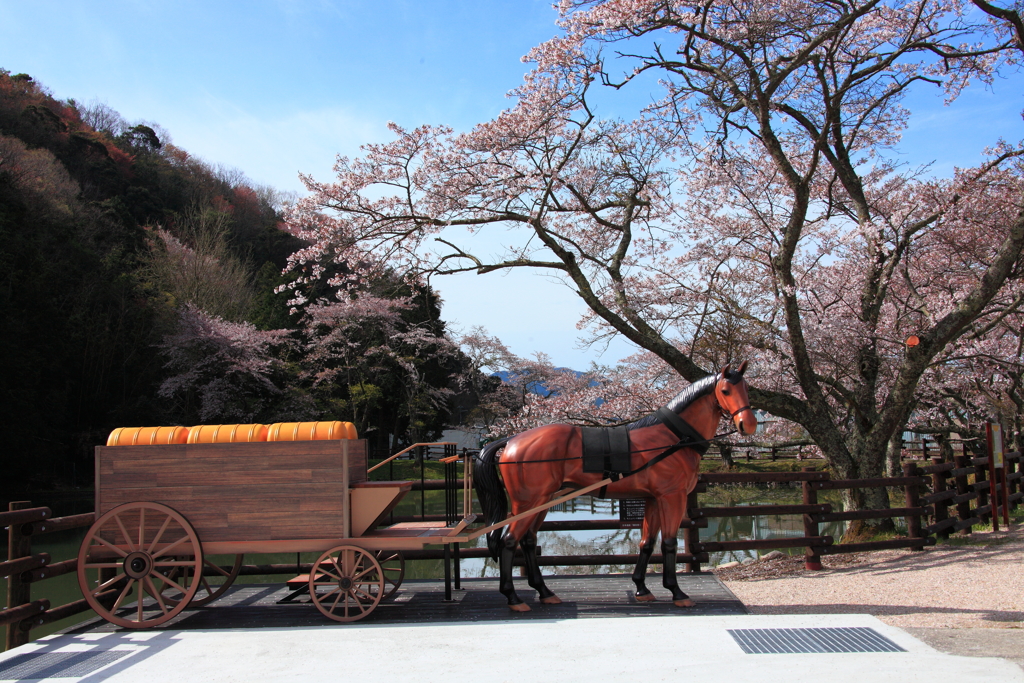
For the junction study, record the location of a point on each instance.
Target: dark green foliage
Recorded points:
(89, 205)
(81, 323)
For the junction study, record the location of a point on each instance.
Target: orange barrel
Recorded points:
(227, 433)
(147, 436)
(311, 431)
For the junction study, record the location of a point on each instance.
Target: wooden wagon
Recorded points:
(162, 509)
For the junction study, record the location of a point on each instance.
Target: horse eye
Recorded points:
(725, 391)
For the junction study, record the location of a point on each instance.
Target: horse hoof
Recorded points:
(551, 600)
(520, 607)
(648, 597)
(684, 603)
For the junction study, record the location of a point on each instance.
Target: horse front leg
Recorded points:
(672, 513)
(647, 537)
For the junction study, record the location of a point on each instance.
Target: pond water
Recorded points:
(64, 545)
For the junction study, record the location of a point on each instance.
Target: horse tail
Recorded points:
(490, 492)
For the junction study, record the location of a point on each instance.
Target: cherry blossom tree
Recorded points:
(223, 371)
(752, 210)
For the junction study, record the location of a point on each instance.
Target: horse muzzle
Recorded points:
(745, 421)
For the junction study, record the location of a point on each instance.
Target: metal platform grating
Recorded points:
(760, 641)
(33, 666)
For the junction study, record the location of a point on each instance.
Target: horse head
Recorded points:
(731, 393)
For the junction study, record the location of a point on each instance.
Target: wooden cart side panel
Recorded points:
(236, 492)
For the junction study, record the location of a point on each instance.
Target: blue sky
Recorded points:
(278, 87)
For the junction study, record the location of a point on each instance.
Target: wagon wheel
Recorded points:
(135, 550)
(392, 564)
(346, 583)
(213, 583)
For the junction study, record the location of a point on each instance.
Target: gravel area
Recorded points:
(976, 585)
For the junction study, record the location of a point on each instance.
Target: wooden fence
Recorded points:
(23, 569)
(939, 498)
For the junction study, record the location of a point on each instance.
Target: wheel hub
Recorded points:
(345, 583)
(138, 565)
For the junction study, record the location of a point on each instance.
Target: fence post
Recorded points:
(981, 486)
(939, 486)
(913, 499)
(963, 509)
(692, 534)
(18, 591)
(1012, 465)
(812, 560)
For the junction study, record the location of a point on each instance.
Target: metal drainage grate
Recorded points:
(33, 666)
(761, 641)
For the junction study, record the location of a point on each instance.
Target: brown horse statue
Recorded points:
(664, 455)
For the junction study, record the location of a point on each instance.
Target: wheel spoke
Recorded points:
(142, 594)
(206, 585)
(163, 551)
(142, 527)
(159, 534)
(110, 545)
(174, 563)
(155, 593)
(124, 593)
(356, 592)
(217, 568)
(362, 574)
(103, 565)
(175, 584)
(334, 605)
(104, 586)
(124, 532)
(327, 573)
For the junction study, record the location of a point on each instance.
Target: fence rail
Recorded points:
(940, 498)
(23, 568)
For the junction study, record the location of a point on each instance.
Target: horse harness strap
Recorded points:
(688, 436)
(607, 450)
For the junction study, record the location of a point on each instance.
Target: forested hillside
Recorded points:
(138, 288)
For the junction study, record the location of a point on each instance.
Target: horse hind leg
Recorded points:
(536, 580)
(505, 586)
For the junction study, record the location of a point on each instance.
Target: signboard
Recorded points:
(995, 435)
(997, 475)
(631, 512)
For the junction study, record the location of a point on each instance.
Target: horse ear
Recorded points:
(742, 368)
(725, 371)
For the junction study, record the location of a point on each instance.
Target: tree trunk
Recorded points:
(866, 499)
(726, 452)
(893, 455)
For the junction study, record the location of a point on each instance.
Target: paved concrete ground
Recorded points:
(623, 649)
(975, 642)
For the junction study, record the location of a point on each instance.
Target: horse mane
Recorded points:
(701, 387)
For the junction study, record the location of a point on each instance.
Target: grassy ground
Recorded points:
(781, 465)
